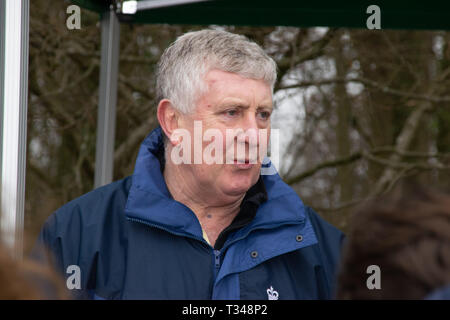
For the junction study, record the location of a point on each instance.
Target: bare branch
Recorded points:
(41, 175)
(409, 154)
(370, 155)
(402, 143)
(323, 165)
(74, 83)
(133, 139)
(344, 205)
(369, 83)
(390, 163)
(315, 50)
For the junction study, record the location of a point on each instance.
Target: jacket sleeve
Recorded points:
(58, 247)
(89, 234)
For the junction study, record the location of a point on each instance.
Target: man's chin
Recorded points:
(238, 188)
(238, 182)
(236, 192)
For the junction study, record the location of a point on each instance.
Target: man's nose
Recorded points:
(250, 128)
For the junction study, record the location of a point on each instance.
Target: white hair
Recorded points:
(184, 64)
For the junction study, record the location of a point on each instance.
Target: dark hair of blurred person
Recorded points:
(407, 235)
(28, 280)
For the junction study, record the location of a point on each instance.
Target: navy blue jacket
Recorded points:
(442, 293)
(131, 240)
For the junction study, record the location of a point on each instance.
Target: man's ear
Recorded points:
(167, 117)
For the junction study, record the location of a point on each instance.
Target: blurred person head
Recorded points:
(405, 234)
(222, 81)
(27, 280)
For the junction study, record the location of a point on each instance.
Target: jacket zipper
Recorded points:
(216, 263)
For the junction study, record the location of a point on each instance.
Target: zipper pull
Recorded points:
(217, 258)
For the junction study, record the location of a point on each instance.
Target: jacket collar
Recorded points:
(149, 200)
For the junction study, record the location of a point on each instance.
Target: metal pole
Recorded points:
(106, 122)
(14, 73)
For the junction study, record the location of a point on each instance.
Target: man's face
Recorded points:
(230, 102)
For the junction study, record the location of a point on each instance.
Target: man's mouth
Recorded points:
(244, 163)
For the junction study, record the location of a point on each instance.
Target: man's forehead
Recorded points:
(231, 87)
(216, 76)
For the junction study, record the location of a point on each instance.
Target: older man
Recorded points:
(196, 228)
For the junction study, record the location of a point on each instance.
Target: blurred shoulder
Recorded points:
(92, 207)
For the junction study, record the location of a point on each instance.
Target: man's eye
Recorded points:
(264, 115)
(232, 113)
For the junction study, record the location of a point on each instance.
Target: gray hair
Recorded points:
(184, 64)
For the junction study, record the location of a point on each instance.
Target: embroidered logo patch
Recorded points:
(272, 294)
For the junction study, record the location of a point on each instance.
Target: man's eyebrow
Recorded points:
(244, 105)
(265, 106)
(234, 105)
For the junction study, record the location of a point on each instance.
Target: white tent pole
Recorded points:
(14, 26)
(106, 122)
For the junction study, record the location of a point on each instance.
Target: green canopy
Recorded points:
(398, 14)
